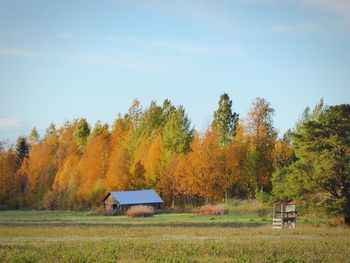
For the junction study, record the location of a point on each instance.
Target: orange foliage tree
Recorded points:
(154, 147)
(207, 166)
(9, 180)
(93, 168)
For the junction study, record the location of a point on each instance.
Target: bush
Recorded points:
(248, 207)
(212, 210)
(140, 211)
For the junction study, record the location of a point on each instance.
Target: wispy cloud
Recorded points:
(18, 52)
(66, 35)
(186, 47)
(115, 61)
(341, 7)
(282, 28)
(112, 38)
(9, 123)
(119, 53)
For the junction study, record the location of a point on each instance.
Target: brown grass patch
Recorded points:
(140, 211)
(212, 210)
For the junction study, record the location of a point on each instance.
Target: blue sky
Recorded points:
(61, 60)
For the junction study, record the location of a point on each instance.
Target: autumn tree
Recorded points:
(206, 163)
(137, 177)
(41, 168)
(262, 136)
(117, 177)
(152, 162)
(93, 168)
(51, 129)
(99, 128)
(282, 153)
(33, 137)
(185, 189)
(40, 171)
(225, 123)
(9, 183)
(235, 162)
(149, 141)
(66, 183)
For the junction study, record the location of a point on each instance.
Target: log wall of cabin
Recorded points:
(108, 205)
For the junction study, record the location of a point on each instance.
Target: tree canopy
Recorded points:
(321, 172)
(72, 167)
(225, 121)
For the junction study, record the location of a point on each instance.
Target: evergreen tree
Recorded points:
(22, 149)
(321, 173)
(225, 121)
(81, 133)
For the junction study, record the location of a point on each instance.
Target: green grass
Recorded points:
(82, 218)
(44, 236)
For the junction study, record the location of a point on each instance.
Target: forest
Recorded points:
(75, 165)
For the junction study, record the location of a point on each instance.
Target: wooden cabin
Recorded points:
(117, 203)
(284, 216)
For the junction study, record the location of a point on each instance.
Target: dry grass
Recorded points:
(173, 244)
(248, 207)
(140, 211)
(212, 210)
(96, 211)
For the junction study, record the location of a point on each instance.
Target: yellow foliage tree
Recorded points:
(93, 168)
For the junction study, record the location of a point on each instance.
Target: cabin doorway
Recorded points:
(115, 210)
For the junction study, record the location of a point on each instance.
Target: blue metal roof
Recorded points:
(136, 197)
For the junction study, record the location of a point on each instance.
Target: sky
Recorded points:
(62, 60)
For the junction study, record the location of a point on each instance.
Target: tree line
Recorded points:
(74, 166)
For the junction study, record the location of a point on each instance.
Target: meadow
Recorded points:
(43, 236)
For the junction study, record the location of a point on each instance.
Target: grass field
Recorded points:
(32, 236)
(83, 218)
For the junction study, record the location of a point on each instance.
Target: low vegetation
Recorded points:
(248, 207)
(140, 211)
(173, 244)
(212, 210)
(58, 236)
(63, 218)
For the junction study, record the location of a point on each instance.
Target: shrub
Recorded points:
(140, 211)
(212, 210)
(248, 207)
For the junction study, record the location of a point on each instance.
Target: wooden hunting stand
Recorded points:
(284, 216)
